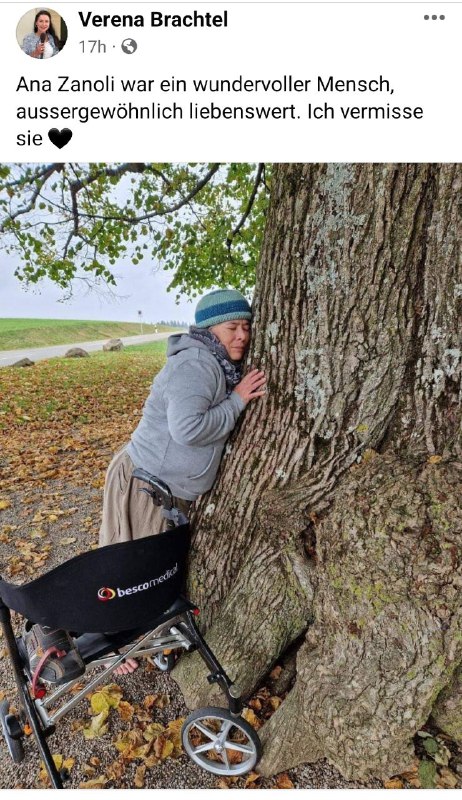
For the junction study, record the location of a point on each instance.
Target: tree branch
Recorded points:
(258, 178)
(43, 176)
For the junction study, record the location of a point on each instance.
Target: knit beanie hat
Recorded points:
(221, 305)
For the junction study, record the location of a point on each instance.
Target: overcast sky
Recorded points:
(139, 289)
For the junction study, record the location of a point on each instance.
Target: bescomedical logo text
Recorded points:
(106, 593)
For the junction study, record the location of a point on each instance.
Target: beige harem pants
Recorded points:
(128, 513)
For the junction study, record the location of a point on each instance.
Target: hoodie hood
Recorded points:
(182, 341)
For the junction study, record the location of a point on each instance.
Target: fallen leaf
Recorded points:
(106, 698)
(275, 673)
(68, 540)
(252, 718)
(139, 777)
(434, 459)
(116, 770)
(158, 701)
(125, 710)
(4, 504)
(275, 702)
(97, 726)
(159, 746)
(252, 777)
(283, 781)
(60, 763)
(97, 783)
(393, 783)
(447, 779)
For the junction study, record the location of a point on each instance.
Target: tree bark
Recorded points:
(337, 508)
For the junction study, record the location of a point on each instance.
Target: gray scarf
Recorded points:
(232, 369)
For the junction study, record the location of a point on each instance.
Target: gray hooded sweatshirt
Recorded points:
(186, 420)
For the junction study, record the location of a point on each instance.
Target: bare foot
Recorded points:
(126, 668)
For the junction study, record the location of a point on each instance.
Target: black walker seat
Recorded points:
(119, 601)
(114, 588)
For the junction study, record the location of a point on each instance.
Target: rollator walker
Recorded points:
(121, 601)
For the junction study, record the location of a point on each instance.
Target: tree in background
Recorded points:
(73, 222)
(333, 536)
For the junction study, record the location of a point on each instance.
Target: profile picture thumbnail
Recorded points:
(41, 33)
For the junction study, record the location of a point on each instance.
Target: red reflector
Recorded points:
(39, 693)
(196, 612)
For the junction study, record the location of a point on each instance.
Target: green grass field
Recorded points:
(16, 334)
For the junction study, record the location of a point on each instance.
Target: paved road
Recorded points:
(8, 357)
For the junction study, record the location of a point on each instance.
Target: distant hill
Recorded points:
(16, 334)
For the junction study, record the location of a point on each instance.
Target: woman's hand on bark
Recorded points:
(253, 385)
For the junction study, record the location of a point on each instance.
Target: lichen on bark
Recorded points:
(357, 324)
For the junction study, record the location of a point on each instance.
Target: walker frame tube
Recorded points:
(183, 633)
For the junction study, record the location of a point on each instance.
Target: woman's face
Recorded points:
(234, 336)
(43, 23)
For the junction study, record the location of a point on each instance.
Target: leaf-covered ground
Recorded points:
(60, 423)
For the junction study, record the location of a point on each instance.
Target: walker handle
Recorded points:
(162, 491)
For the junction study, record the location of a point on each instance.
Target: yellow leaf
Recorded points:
(434, 459)
(99, 703)
(4, 504)
(251, 778)
(283, 781)
(68, 540)
(139, 777)
(151, 761)
(176, 725)
(59, 762)
(252, 718)
(131, 744)
(96, 783)
(97, 726)
(393, 783)
(107, 697)
(114, 694)
(152, 731)
(275, 702)
(167, 750)
(58, 759)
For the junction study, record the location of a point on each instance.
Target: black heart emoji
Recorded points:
(60, 138)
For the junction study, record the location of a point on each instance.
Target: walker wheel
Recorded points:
(220, 742)
(165, 661)
(12, 731)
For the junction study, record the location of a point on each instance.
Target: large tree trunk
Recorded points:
(338, 508)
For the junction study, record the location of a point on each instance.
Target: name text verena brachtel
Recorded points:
(157, 19)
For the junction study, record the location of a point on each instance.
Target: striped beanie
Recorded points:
(221, 305)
